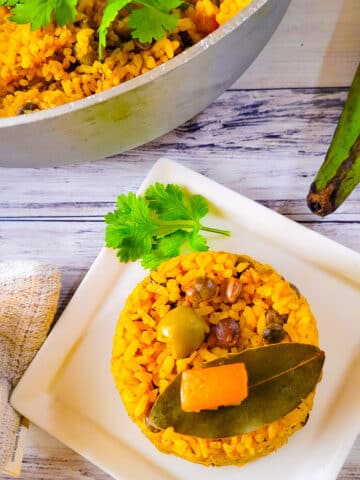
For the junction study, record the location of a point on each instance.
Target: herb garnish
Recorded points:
(8, 3)
(148, 19)
(41, 12)
(154, 227)
(149, 22)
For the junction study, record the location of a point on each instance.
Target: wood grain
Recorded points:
(265, 144)
(317, 44)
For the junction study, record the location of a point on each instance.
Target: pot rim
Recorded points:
(142, 79)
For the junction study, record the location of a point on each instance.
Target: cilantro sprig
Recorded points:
(158, 225)
(39, 13)
(151, 20)
(148, 19)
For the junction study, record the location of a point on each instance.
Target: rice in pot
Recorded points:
(143, 366)
(55, 65)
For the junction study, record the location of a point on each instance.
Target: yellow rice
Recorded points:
(143, 366)
(55, 65)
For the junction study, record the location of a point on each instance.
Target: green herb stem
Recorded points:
(165, 228)
(169, 227)
(227, 233)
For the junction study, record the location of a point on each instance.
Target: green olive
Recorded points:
(183, 329)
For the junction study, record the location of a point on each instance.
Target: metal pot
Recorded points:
(146, 107)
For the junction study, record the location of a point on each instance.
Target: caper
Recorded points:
(272, 316)
(27, 108)
(233, 290)
(203, 289)
(274, 333)
(226, 332)
(183, 330)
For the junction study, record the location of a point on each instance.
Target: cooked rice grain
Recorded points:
(143, 366)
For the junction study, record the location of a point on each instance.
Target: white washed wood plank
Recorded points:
(95, 211)
(70, 246)
(264, 144)
(55, 460)
(73, 246)
(317, 44)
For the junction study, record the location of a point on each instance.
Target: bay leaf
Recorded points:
(280, 377)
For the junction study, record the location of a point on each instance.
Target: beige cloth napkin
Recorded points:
(29, 293)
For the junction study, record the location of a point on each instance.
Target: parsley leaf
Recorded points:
(40, 12)
(157, 226)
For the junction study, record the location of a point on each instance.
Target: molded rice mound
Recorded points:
(143, 366)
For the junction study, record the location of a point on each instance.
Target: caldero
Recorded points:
(146, 107)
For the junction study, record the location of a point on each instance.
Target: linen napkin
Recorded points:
(29, 293)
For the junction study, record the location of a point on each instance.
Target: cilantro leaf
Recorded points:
(164, 5)
(198, 207)
(130, 228)
(168, 201)
(65, 12)
(110, 12)
(8, 3)
(154, 20)
(150, 21)
(152, 260)
(156, 227)
(167, 247)
(41, 12)
(36, 12)
(197, 242)
(170, 245)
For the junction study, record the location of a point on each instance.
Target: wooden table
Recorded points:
(265, 138)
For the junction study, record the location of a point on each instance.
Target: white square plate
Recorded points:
(69, 392)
